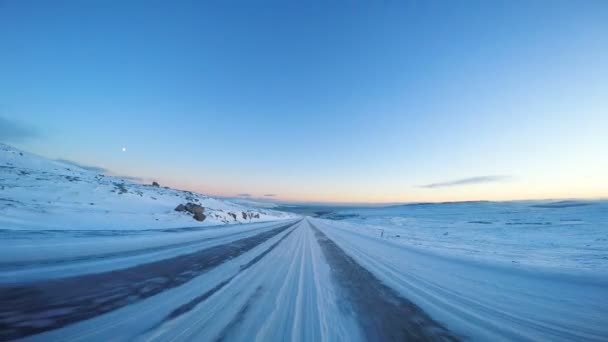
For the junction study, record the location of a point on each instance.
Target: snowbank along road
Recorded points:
(297, 280)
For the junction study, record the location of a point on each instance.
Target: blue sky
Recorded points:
(348, 102)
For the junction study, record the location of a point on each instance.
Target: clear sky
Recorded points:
(356, 101)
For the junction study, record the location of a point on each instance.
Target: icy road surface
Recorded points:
(295, 280)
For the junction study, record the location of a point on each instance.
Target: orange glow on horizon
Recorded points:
(417, 195)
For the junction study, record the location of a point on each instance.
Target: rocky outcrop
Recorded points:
(198, 213)
(250, 215)
(197, 210)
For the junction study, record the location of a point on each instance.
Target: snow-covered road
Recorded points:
(298, 280)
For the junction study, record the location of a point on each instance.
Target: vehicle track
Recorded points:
(33, 308)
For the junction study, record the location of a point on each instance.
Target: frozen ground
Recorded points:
(274, 282)
(297, 280)
(37, 193)
(129, 268)
(561, 235)
(483, 300)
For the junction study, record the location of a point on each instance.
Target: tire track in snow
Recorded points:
(383, 315)
(462, 295)
(194, 302)
(288, 295)
(37, 307)
(199, 322)
(234, 323)
(7, 266)
(299, 300)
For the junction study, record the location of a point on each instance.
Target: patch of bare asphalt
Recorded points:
(382, 313)
(37, 307)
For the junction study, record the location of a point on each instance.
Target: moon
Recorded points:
(124, 149)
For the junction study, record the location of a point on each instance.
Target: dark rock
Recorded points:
(256, 215)
(199, 216)
(196, 210)
(233, 215)
(155, 184)
(244, 215)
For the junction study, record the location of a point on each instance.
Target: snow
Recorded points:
(483, 296)
(28, 256)
(486, 271)
(550, 234)
(287, 295)
(42, 194)
(285, 288)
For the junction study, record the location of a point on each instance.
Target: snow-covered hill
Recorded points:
(38, 193)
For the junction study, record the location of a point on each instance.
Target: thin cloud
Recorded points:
(244, 195)
(467, 181)
(270, 195)
(14, 131)
(82, 166)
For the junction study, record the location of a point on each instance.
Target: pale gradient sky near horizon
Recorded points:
(347, 102)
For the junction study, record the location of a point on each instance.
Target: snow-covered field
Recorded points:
(300, 280)
(560, 235)
(524, 270)
(90, 257)
(482, 299)
(38, 193)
